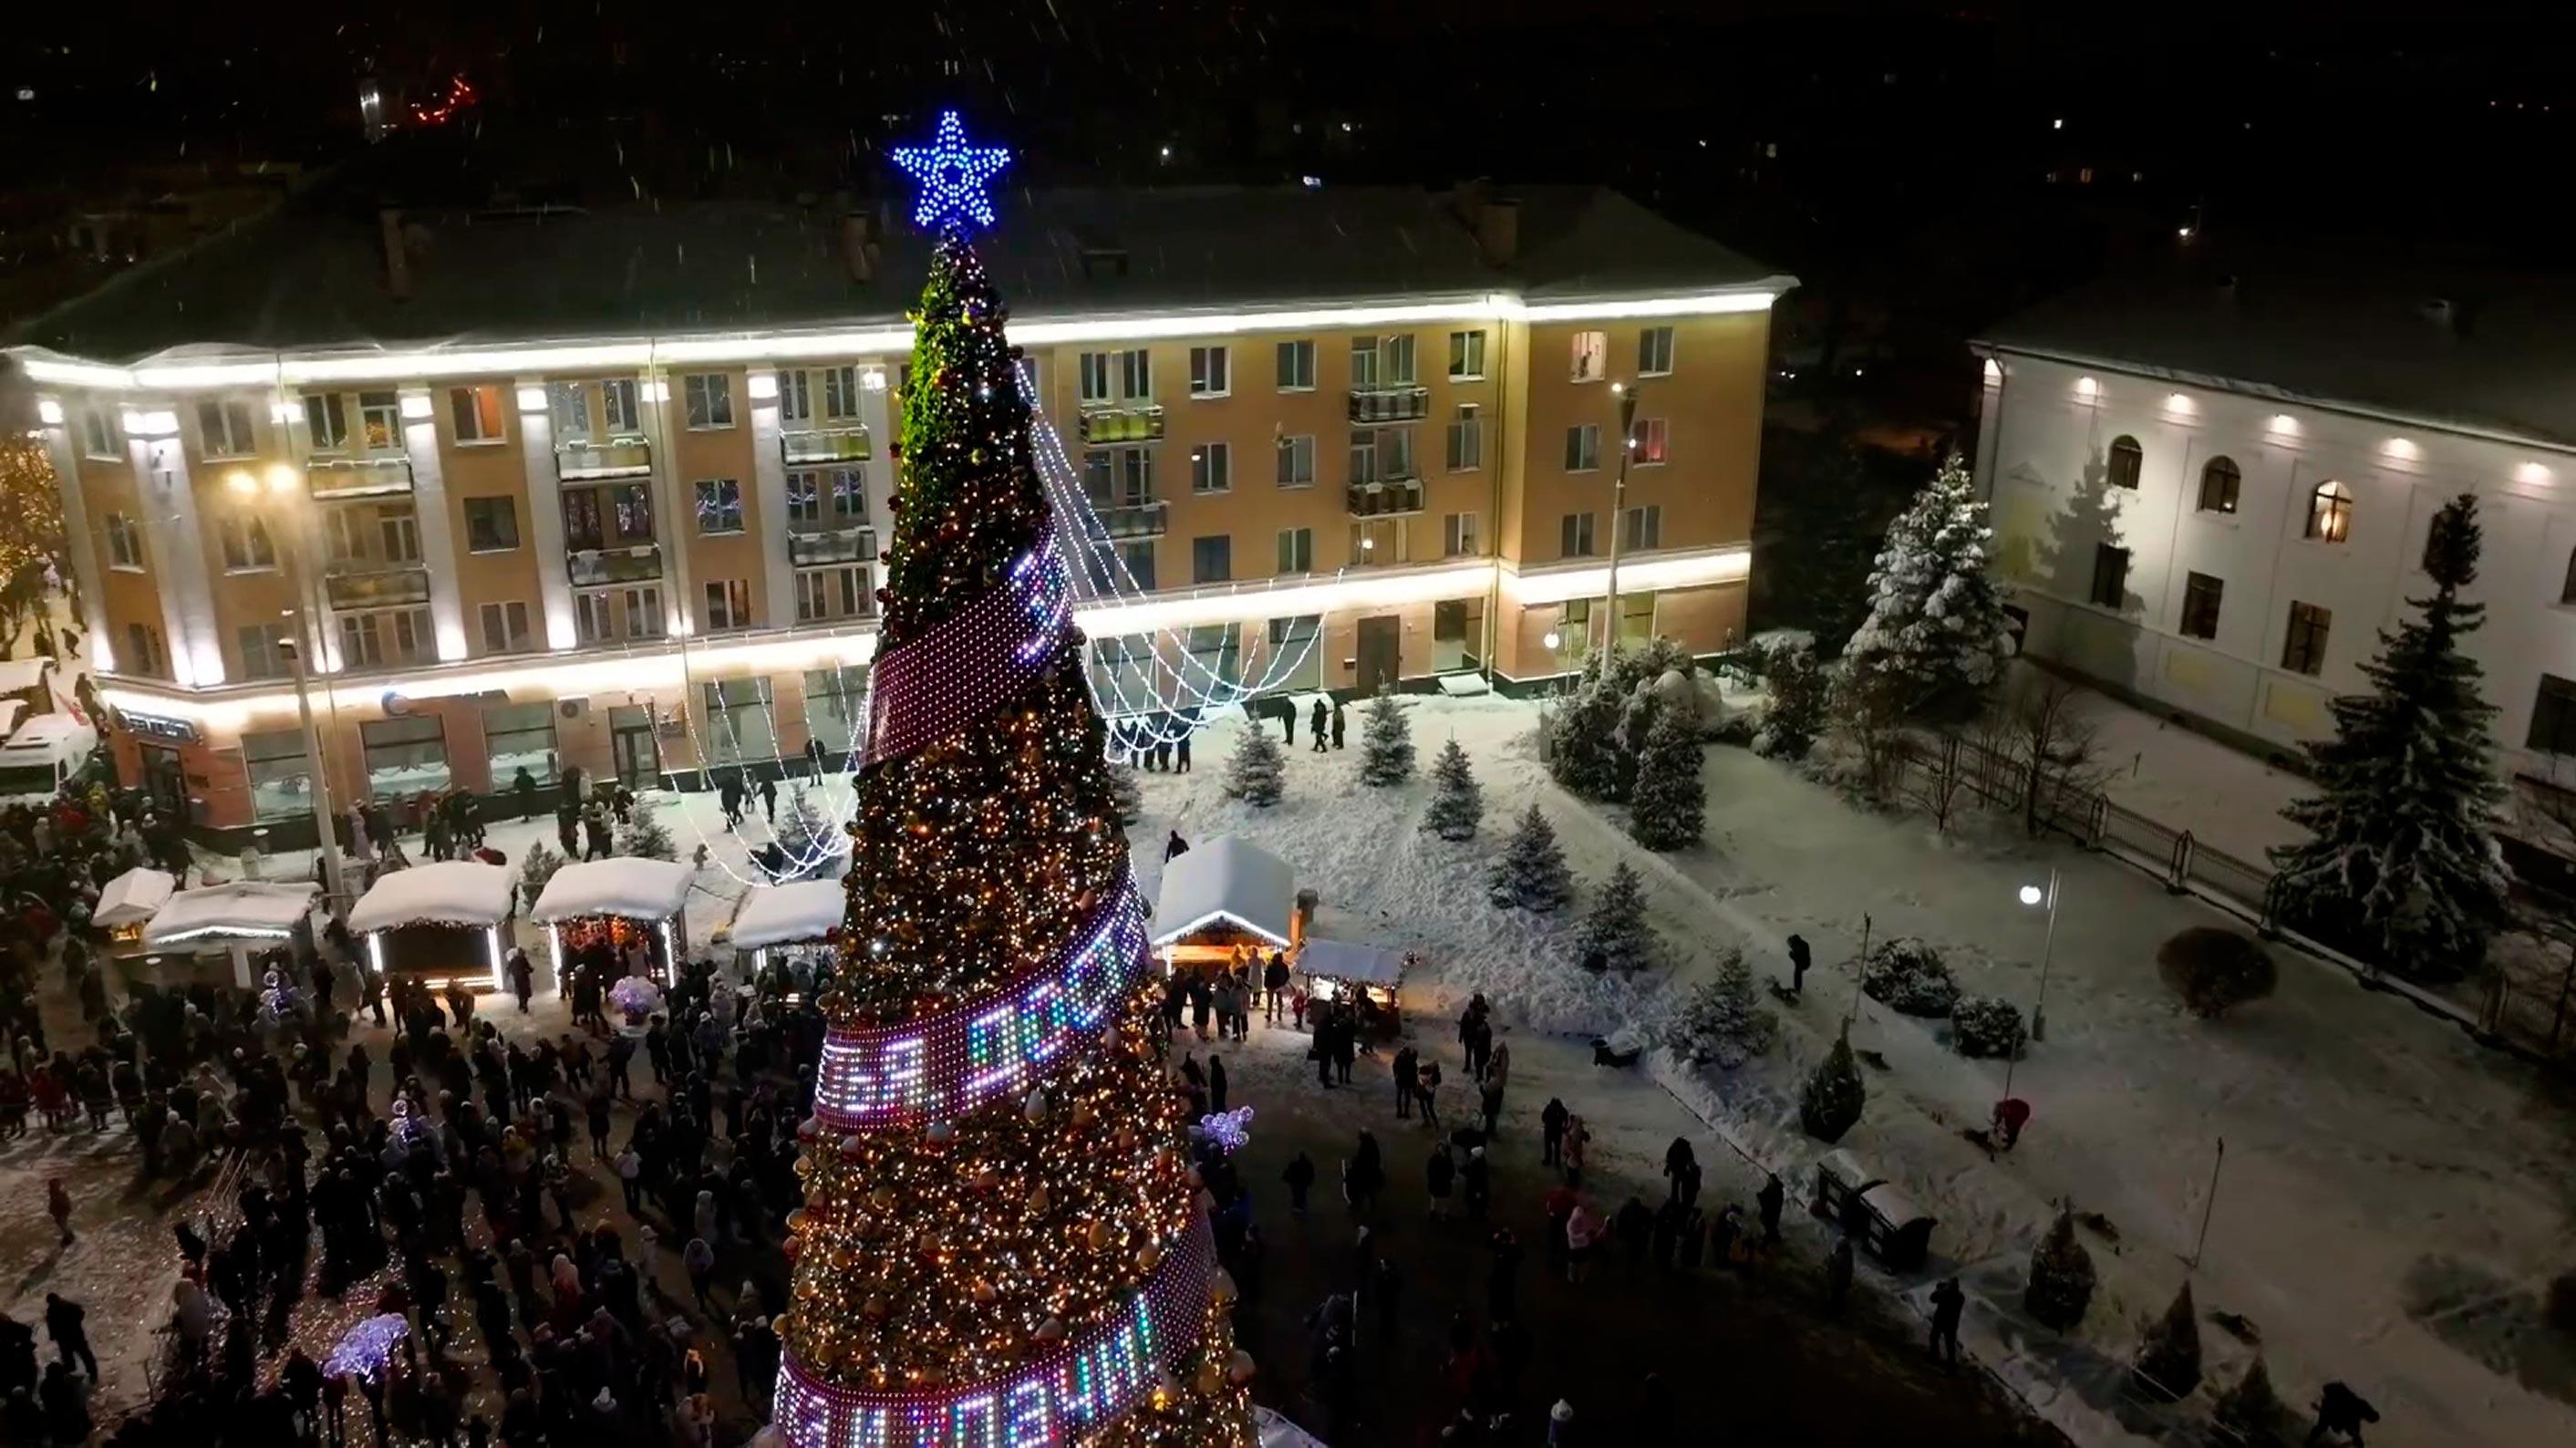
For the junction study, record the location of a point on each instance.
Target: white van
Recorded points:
(36, 760)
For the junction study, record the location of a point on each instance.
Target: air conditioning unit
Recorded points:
(572, 708)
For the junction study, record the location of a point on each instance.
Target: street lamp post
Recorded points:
(280, 483)
(1626, 392)
(2034, 895)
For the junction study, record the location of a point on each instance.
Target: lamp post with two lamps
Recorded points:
(277, 487)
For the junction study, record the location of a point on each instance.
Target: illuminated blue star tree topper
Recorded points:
(952, 176)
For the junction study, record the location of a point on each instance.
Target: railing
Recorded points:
(616, 457)
(1406, 403)
(329, 479)
(369, 583)
(840, 545)
(1150, 519)
(1123, 424)
(806, 445)
(640, 563)
(1386, 497)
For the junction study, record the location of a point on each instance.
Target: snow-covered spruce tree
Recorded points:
(535, 870)
(1531, 875)
(1799, 687)
(1616, 935)
(1723, 1024)
(2249, 1412)
(809, 838)
(1256, 772)
(646, 837)
(2168, 1365)
(1386, 740)
(1936, 637)
(1582, 750)
(1637, 716)
(1831, 1103)
(1669, 807)
(1456, 803)
(2399, 861)
(1126, 793)
(2061, 1276)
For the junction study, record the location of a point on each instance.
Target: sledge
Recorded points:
(1602, 1055)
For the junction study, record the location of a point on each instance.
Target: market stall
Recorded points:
(237, 920)
(617, 903)
(1221, 897)
(789, 925)
(128, 902)
(437, 923)
(1363, 974)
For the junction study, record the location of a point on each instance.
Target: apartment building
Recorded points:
(609, 490)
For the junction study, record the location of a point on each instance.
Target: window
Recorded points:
(281, 785)
(643, 612)
(1397, 359)
(2110, 576)
(2219, 483)
(1136, 375)
(1296, 550)
(1583, 447)
(2330, 512)
(1646, 443)
(1457, 634)
(1212, 559)
(144, 653)
(850, 494)
(505, 627)
(630, 507)
(1466, 355)
(795, 399)
(570, 410)
(719, 506)
(1296, 660)
(1137, 557)
(224, 430)
(520, 736)
(1297, 366)
(98, 433)
(477, 412)
(1591, 356)
(708, 397)
(2553, 717)
(380, 421)
(617, 406)
(1383, 454)
(264, 651)
(1297, 461)
(594, 617)
(2124, 462)
(246, 544)
(841, 393)
(1636, 616)
(1364, 362)
(804, 497)
(405, 755)
(1209, 372)
(2303, 651)
(1574, 536)
(124, 542)
(1095, 377)
(1654, 351)
(829, 593)
(835, 704)
(728, 604)
(1573, 627)
(398, 529)
(1216, 651)
(1641, 528)
(1458, 535)
(491, 525)
(326, 422)
(1119, 476)
(1211, 467)
(2200, 596)
(1466, 437)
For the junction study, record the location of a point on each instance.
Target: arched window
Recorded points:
(2219, 481)
(2125, 460)
(2330, 512)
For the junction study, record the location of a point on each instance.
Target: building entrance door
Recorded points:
(1381, 650)
(633, 750)
(165, 782)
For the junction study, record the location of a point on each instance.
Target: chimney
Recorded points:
(1498, 232)
(858, 245)
(389, 229)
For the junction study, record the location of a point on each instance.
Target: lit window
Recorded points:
(1591, 356)
(708, 397)
(477, 412)
(2330, 512)
(1466, 355)
(1646, 444)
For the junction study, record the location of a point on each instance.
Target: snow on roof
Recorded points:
(240, 909)
(1341, 960)
(1228, 879)
(442, 892)
(130, 898)
(802, 910)
(16, 674)
(1275, 1431)
(636, 889)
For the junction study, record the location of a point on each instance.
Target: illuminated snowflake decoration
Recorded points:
(952, 176)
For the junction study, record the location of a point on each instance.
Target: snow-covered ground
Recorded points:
(2229, 800)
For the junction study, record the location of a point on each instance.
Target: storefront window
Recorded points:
(738, 725)
(835, 703)
(1296, 654)
(1457, 634)
(520, 736)
(1636, 618)
(405, 756)
(1217, 651)
(281, 787)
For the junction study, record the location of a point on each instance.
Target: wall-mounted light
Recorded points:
(2087, 388)
(415, 406)
(2532, 473)
(2179, 402)
(764, 385)
(2398, 447)
(49, 412)
(157, 423)
(2284, 424)
(532, 399)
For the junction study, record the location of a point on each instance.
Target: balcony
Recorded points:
(1390, 404)
(615, 457)
(639, 563)
(1386, 498)
(1138, 423)
(805, 446)
(374, 583)
(839, 545)
(382, 476)
(1150, 519)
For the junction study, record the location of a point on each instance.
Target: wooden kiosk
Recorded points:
(437, 923)
(621, 902)
(1222, 896)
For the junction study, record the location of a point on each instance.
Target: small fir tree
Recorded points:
(1637, 718)
(2249, 1412)
(1799, 687)
(1670, 806)
(807, 837)
(2061, 1276)
(534, 871)
(645, 837)
(1256, 772)
(1582, 747)
(2399, 859)
(1127, 794)
(1831, 1103)
(1723, 1025)
(1936, 637)
(1386, 741)
(1531, 875)
(1616, 935)
(2168, 1365)
(1457, 805)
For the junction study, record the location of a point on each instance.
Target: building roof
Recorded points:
(133, 897)
(1230, 880)
(2482, 353)
(238, 910)
(801, 910)
(311, 273)
(627, 886)
(442, 892)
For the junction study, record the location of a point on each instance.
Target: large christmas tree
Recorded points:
(1003, 1240)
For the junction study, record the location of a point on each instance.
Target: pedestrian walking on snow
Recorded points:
(1300, 1177)
(1551, 1125)
(1948, 1302)
(58, 1205)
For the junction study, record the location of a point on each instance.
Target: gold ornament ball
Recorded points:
(1148, 1257)
(1239, 1368)
(1095, 1234)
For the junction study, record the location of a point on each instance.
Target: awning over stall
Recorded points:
(1226, 881)
(242, 910)
(805, 910)
(631, 888)
(132, 898)
(1359, 964)
(443, 892)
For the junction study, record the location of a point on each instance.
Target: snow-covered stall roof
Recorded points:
(1342, 960)
(802, 910)
(1227, 879)
(635, 889)
(1275, 1431)
(442, 892)
(238, 910)
(131, 898)
(17, 674)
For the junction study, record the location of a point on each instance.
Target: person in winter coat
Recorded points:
(523, 788)
(1551, 1126)
(1838, 1276)
(2341, 1410)
(1337, 723)
(1572, 1149)
(1428, 1093)
(1582, 1230)
(699, 1260)
(1408, 1081)
(1634, 1226)
(1274, 987)
(1678, 1161)
(1216, 1084)
(1300, 1177)
(1175, 847)
(1315, 725)
(67, 1323)
(1363, 1174)
(1947, 1303)
(1768, 1202)
(1439, 1174)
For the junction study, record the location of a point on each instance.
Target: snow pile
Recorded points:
(636, 889)
(442, 892)
(804, 910)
